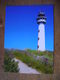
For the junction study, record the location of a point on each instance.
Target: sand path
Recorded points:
(25, 68)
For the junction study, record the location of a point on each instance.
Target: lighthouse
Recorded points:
(41, 21)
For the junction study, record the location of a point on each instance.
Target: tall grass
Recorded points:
(30, 61)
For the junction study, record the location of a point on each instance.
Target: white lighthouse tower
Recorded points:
(41, 20)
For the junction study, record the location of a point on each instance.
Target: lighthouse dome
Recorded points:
(41, 18)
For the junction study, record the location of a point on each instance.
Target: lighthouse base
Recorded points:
(41, 50)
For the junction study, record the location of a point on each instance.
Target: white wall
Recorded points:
(41, 35)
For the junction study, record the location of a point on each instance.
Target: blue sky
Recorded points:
(21, 28)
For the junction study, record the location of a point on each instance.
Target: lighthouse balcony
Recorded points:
(41, 21)
(41, 17)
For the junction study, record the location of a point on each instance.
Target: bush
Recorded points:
(10, 65)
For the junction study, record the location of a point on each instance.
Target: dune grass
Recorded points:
(45, 53)
(41, 67)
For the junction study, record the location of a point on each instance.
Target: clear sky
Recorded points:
(21, 28)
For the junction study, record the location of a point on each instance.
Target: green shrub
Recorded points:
(10, 65)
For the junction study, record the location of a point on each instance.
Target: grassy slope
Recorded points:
(46, 54)
(36, 64)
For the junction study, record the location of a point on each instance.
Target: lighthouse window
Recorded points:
(38, 46)
(38, 30)
(38, 38)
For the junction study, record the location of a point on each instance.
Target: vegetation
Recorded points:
(46, 54)
(38, 65)
(9, 64)
(28, 58)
